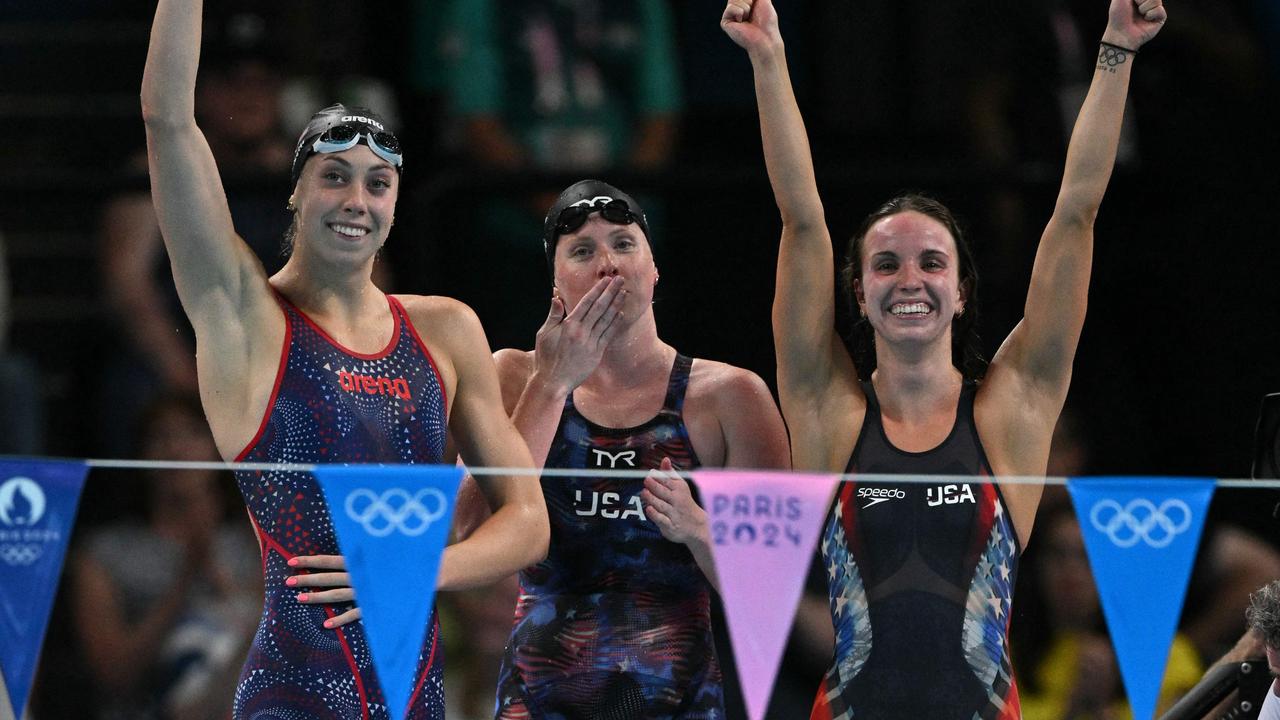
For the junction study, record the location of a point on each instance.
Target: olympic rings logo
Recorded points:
(1141, 521)
(395, 510)
(20, 554)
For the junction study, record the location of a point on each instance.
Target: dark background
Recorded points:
(1181, 339)
(1184, 321)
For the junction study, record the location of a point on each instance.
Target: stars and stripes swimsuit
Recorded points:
(332, 405)
(615, 624)
(921, 579)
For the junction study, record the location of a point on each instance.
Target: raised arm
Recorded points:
(516, 535)
(810, 355)
(217, 277)
(1041, 349)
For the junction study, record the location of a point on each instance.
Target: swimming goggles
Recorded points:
(344, 137)
(575, 216)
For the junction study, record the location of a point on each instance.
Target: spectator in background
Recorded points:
(22, 410)
(238, 103)
(1264, 623)
(545, 86)
(165, 608)
(580, 87)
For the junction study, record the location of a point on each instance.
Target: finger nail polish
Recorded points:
(291, 581)
(293, 562)
(302, 597)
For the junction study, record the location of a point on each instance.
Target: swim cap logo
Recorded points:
(602, 199)
(362, 119)
(395, 510)
(1141, 521)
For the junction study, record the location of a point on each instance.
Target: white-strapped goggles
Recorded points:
(344, 137)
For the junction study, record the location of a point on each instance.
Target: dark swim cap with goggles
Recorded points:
(570, 212)
(338, 128)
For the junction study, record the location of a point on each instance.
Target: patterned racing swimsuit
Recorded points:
(615, 623)
(332, 405)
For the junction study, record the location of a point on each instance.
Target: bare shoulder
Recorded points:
(451, 332)
(517, 363)
(514, 369)
(442, 317)
(730, 394)
(723, 385)
(749, 431)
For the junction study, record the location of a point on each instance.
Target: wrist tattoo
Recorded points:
(1111, 56)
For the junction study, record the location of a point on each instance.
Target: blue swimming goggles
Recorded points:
(344, 137)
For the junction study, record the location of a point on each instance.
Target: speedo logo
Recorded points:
(362, 119)
(875, 496)
(371, 385)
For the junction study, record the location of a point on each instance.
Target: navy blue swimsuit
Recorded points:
(615, 623)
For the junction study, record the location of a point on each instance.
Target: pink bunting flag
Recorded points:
(764, 526)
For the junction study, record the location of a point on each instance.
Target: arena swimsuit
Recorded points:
(615, 623)
(921, 579)
(332, 405)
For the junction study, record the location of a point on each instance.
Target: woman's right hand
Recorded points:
(569, 347)
(752, 24)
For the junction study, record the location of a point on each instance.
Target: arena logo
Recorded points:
(1141, 520)
(395, 510)
(362, 119)
(374, 385)
(22, 506)
(875, 496)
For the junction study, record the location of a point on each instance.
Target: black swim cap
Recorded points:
(362, 118)
(588, 192)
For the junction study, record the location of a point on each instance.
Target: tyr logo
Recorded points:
(599, 456)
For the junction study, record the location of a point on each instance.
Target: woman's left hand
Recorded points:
(669, 504)
(324, 571)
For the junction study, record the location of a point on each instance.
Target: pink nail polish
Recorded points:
(328, 623)
(293, 562)
(291, 581)
(302, 597)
